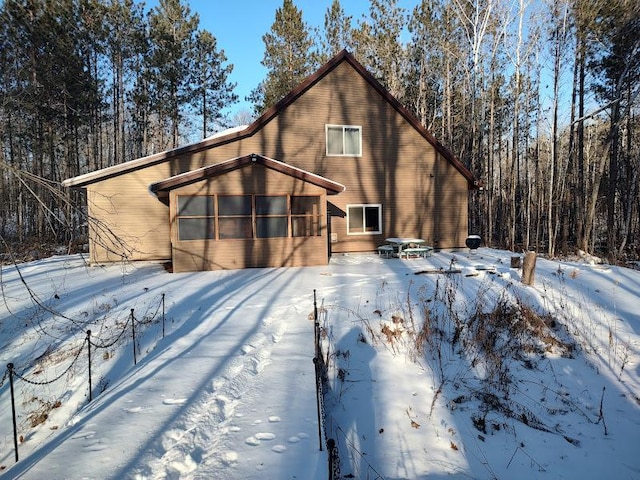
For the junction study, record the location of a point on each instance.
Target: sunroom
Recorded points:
(249, 211)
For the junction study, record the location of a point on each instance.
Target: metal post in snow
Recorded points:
(163, 315)
(316, 325)
(133, 330)
(89, 346)
(13, 411)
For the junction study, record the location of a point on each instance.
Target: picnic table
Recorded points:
(405, 247)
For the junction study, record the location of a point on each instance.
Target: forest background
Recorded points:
(86, 84)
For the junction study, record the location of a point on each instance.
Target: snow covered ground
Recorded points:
(414, 390)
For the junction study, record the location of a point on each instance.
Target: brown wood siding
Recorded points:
(421, 193)
(127, 220)
(242, 253)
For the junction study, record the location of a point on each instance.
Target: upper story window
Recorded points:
(344, 140)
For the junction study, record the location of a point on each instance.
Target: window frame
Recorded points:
(309, 221)
(269, 216)
(364, 206)
(343, 127)
(237, 218)
(210, 218)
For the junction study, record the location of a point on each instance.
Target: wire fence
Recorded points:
(320, 364)
(338, 440)
(92, 343)
(12, 374)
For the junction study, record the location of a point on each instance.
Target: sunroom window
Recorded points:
(271, 216)
(344, 140)
(196, 218)
(234, 216)
(209, 217)
(306, 216)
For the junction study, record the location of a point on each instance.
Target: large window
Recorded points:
(196, 219)
(248, 216)
(344, 140)
(364, 219)
(234, 216)
(305, 216)
(272, 216)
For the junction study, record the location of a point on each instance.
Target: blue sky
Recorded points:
(239, 26)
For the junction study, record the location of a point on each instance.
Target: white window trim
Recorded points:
(326, 141)
(363, 205)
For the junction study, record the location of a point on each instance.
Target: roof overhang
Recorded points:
(162, 187)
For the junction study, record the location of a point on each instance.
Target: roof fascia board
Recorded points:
(227, 166)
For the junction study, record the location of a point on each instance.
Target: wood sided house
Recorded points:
(336, 166)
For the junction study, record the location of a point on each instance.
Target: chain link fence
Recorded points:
(320, 364)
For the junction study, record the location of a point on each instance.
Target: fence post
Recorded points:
(133, 330)
(13, 410)
(89, 347)
(316, 326)
(163, 315)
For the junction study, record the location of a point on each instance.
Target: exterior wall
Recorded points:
(195, 255)
(127, 220)
(421, 193)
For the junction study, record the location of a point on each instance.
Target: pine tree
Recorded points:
(617, 71)
(172, 33)
(422, 78)
(213, 91)
(288, 57)
(338, 32)
(378, 45)
(125, 43)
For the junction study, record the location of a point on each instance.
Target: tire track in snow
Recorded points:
(196, 439)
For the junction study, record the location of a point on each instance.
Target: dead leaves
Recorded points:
(414, 424)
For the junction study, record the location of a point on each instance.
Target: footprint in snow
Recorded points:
(274, 419)
(229, 458)
(255, 440)
(133, 409)
(226, 407)
(258, 364)
(234, 368)
(174, 401)
(278, 448)
(298, 437)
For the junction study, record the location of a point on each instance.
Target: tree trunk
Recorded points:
(529, 268)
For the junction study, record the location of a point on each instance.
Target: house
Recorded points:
(336, 166)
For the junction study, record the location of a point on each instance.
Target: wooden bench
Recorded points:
(385, 251)
(415, 252)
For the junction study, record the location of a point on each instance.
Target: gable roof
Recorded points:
(227, 166)
(266, 117)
